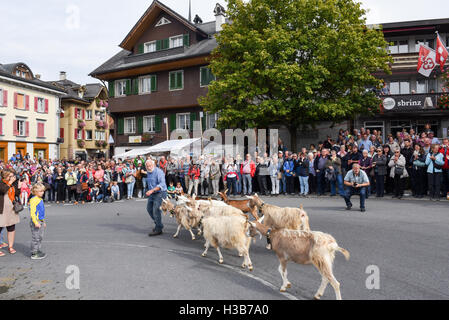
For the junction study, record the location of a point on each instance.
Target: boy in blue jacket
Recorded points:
(37, 222)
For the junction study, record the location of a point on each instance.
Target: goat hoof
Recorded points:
(283, 290)
(193, 238)
(243, 266)
(289, 285)
(250, 268)
(203, 254)
(220, 261)
(175, 236)
(240, 255)
(317, 298)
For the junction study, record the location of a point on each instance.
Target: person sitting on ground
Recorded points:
(95, 192)
(171, 188)
(178, 190)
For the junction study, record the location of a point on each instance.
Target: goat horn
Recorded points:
(301, 207)
(189, 209)
(261, 219)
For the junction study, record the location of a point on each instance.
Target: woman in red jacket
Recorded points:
(194, 174)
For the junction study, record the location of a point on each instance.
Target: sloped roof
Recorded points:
(7, 70)
(92, 90)
(150, 14)
(117, 62)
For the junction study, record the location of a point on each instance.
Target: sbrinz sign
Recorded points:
(409, 102)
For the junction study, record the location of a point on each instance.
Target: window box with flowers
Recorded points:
(443, 101)
(101, 124)
(81, 143)
(81, 124)
(147, 137)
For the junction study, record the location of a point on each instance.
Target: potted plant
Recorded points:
(104, 145)
(443, 101)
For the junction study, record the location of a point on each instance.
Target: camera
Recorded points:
(354, 184)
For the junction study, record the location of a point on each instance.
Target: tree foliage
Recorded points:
(294, 62)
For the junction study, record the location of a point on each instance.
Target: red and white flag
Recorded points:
(426, 61)
(442, 54)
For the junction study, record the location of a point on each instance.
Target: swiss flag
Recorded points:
(426, 61)
(442, 53)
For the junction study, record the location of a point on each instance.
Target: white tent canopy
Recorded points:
(173, 146)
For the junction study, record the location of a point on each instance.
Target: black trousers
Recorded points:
(60, 192)
(72, 192)
(290, 184)
(434, 183)
(262, 181)
(398, 185)
(418, 182)
(445, 185)
(380, 185)
(312, 183)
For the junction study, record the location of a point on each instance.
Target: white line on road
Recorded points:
(241, 272)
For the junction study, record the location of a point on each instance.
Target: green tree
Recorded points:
(295, 62)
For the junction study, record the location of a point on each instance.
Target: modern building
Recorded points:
(157, 77)
(29, 113)
(84, 122)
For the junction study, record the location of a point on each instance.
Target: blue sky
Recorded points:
(77, 36)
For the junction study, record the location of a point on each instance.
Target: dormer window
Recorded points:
(150, 47)
(162, 22)
(177, 41)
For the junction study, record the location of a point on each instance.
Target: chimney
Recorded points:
(219, 17)
(37, 76)
(62, 75)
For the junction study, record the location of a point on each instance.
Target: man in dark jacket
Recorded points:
(320, 169)
(354, 157)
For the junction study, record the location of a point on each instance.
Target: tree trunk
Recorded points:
(293, 142)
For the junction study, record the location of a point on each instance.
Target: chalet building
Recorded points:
(84, 125)
(155, 81)
(29, 113)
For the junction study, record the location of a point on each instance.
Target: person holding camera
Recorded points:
(398, 172)
(357, 182)
(435, 163)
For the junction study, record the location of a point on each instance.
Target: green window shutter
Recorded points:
(158, 45)
(157, 123)
(172, 121)
(153, 83)
(128, 87)
(203, 121)
(139, 124)
(187, 40)
(211, 76)
(121, 126)
(165, 44)
(172, 81)
(111, 88)
(192, 118)
(140, 48)
(136, 86)
(179, 79)
(203, 76)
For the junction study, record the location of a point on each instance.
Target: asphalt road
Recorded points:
(407, 240)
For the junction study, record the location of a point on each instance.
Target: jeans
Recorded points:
(144, 184)
(153, 208)
(339, 183)
(434, 182)
(115, 196)
(350, 191)
(239, 183)
(105, 186)
(321, 183)
(247, 183)
(284, 184)
(304, 185)
(232, 184)
(36, 237)
(130, 189)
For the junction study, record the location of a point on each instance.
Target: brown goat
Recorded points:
(246, 205)
(304, 247)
